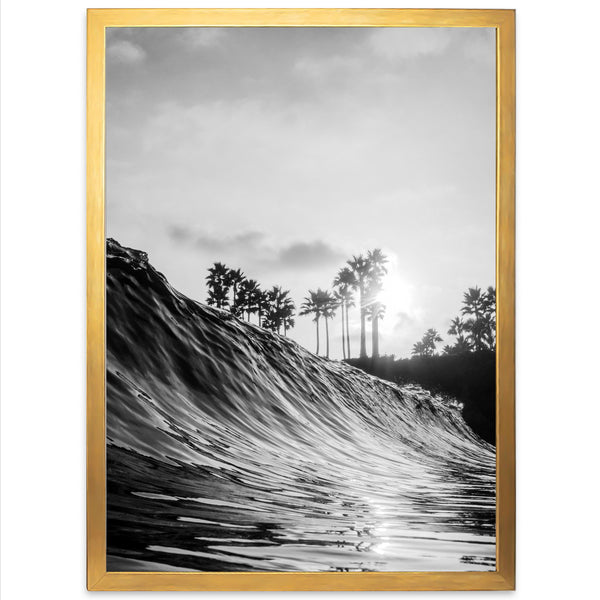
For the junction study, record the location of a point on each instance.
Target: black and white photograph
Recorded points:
(300, 299)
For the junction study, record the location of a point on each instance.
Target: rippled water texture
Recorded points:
(233, 449)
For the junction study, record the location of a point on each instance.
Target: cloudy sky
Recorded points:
(283, 151)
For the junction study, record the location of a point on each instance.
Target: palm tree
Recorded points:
(287, 315)
(287, 310)
(360, 267)
(418, 349)
(320, 304)
(489, 309)
(312, 306)
(280, 310)
(344, 282)
(241, 299)
(271, 319)
(218, 286)
(349, 303)
(329, 305)
(262, 304)
(473, 306)
(248, 297)
(377, 261)
(473, 301)
(426, 347)
(481, 310)
(235, 278)
(430, 339)
(461, 346)
(458, 328)
(340, 302)
(375, 311)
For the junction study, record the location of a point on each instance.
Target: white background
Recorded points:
(43, 296)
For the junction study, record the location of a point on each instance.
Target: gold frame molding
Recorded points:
(504, 577)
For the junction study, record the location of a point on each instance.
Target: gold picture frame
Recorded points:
(504, 577)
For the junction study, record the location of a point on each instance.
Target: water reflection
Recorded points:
(163, 516)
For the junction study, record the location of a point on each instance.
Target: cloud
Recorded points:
(242, 241)
(319, 67)
(125, 52)
(179, 234)
(473, 43)
(480, 46)
(206, 241)
(403, 321)
(411, 42)
(308, 254)
(202, 37)
(296, 255)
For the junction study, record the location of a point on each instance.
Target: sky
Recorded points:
(284, 151)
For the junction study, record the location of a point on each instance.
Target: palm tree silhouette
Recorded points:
(376, 309)
(431, 338)
(481, 310)
(418, 349)
(248, 297)
(320, 304)
(375, 312)
(348, 303)
(344, 282)
(262, 304)
(271, 320)
(360, 267)
(458, 328)
(426, 347)
(218, 286)
(478, 330)
(329, 305)
(312, 306)
(489, 309)
(461, 346)
(340, 302)
(234, 279)
(288, 321)
(280, 310)
(288, 309)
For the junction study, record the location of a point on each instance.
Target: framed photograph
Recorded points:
(300, 229)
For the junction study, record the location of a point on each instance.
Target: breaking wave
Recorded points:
(230, 448)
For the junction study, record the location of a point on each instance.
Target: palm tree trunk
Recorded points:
(363, 324)
(317, 321)
(375, 336)
(347, 333)
(343, 332)
(327, 334)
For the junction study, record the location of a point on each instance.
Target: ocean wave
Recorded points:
(231, 448)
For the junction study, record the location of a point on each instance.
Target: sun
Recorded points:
(395, 295)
